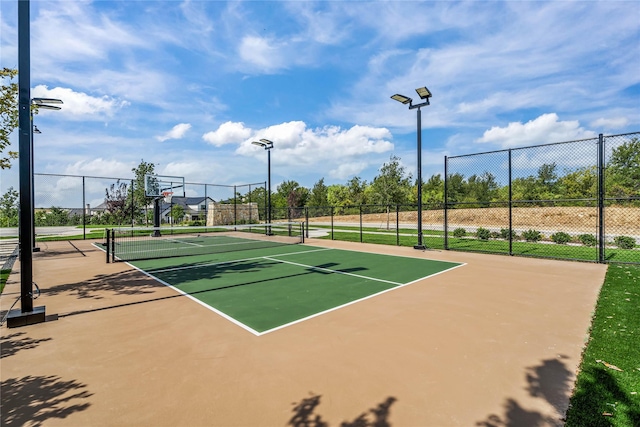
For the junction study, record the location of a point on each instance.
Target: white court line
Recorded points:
(209, 264)
(205, 305)
(335, 271)
(354, 301)
(256, 333)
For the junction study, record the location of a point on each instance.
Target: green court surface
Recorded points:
(266, 289)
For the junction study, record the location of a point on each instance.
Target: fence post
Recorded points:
(331, 222)
(84, 212)
(601, 234)
(306, 220)
(446, 204)
(397, 225)
(235, 209)
(133, 207)
(510, 209)
(360, 223)
(108, 243)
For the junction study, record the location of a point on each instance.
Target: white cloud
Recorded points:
(544, 129)
(261, 52)
(176, 132)
(79, 105)
(227, 133)
(610, 123)
(347, 170)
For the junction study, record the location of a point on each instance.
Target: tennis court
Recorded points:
(267, 288)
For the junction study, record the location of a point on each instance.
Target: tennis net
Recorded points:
(131, 243)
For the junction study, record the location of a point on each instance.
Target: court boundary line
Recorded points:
(313, 267)
(202, 303)
(231, 262)
(358, 300)
(303, 319)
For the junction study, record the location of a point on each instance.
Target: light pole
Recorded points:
(43, 103)
(424, 94)
(267, 145)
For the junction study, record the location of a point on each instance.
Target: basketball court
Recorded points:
(388, 336)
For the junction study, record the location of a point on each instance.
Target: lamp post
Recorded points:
(267, 145)
(424, 94)
(43, 103)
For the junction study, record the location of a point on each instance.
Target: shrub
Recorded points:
(561, 238)
(494, 234)
(505, 233)
(483, 233)
(459, 232)
(532, 235)
(588, 239)
(625, 242)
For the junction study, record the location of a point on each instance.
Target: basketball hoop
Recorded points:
(167, 196)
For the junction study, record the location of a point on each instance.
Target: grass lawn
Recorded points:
(540, 249)
(608, 387)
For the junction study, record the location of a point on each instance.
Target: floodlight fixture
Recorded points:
(36, 130)
(423, 92)
(401, 98)
(40, 101)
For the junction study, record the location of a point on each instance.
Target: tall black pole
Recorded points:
(33, 183)
(25, 171)
(420, 244)
(269, 192)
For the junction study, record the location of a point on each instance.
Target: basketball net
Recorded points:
(167, 196)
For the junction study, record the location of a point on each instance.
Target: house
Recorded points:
(195, 208)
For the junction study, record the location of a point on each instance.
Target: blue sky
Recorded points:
(187, 85)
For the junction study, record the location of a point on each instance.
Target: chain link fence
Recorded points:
(576, 200)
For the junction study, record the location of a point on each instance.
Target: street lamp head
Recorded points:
(40, 101)
(267, 144)
(36, 130)
(401, 98)
(264, 143)
(423, 92)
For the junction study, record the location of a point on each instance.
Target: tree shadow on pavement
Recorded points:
(13, 343)
(305, 415)
(551, 381)
(123, 283)
(35, 399)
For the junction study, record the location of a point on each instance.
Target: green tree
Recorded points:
(177, 213)
(456, 188)
(319, 193)
(623, 170)
(547, 181)
(9, 208)
(357, 191)
(116, 202)
(338, 196)
(482, 188)
(579, 184)
(8, 114)
(393, 185)
(141, 203)
(433, 190)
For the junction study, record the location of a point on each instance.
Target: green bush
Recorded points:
(588, 239)
(625, 242)
(561, 238)
(505, 233)
(482, 233)
(532, 235)
(459, 232)
(494, 235)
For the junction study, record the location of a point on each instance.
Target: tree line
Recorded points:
(125, 203)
